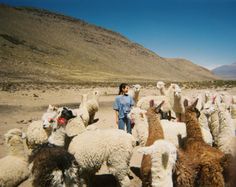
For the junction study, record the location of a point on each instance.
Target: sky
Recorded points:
(202, 31)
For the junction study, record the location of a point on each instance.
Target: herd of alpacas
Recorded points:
(186, 141)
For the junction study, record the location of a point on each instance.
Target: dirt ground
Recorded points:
(18, 109)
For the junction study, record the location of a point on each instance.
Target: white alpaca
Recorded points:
(226, 137)
(134, 92)
(38, 131)
(178, 106)
(113, 146)
(14, 167)
(211, 111)
(163, 157)
(93, 106)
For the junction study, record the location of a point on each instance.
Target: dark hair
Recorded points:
(121, 87)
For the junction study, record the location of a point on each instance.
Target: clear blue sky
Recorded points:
(203, 31)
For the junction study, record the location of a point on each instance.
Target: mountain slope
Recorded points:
(37, 45)
(226, 71)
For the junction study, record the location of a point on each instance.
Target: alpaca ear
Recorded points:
(185, 103)
(214, 99)
(151, 103)
(141, 115)
(195, 103)
(160, 105)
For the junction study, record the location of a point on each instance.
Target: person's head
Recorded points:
(123, 88)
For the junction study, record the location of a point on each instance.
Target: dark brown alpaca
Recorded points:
(206, 158)
(155, 132)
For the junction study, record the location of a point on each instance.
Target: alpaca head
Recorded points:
(14, 136)
(177, 92)
(153, 109)
(136, 87)
(191, 109)
(160, 85)
(49, 117)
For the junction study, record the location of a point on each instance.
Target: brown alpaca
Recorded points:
(155, 132)
(206, 158)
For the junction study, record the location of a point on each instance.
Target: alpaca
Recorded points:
(51, 164)
(178, 106)
(155, 132)
(39, 131)
(14, 166)
(226, 137)
(204, 156)
(163, 157)
(211, 112)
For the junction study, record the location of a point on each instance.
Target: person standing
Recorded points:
(122, 106)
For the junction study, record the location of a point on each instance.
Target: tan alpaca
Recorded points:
(155, 132)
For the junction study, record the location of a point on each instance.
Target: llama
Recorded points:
(155, 132)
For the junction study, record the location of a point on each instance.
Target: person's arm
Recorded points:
(116, 108)
(116, 116)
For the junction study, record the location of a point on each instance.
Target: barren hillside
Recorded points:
(38, 46)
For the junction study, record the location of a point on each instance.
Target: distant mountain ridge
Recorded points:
(226, 71)
(38, 45)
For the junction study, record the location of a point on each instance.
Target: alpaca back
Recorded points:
(53, 166)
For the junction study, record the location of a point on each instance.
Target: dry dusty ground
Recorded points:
(17, 109)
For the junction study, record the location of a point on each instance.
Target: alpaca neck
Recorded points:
(203, 121)
(161, 177)
(226, 127)
(178, 105)
(193, 128)
(57, 137)
(155, 130)
(214, 126)
(141, 127)
(163, 91)
(136, 96)
(17, 150)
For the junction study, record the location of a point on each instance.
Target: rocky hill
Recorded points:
(41, 46)
(226, 71)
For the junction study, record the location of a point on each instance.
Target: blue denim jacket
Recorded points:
(123, 104)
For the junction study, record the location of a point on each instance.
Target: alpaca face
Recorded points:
(136, 87)
(177, 92)
(49, 119)
(192, 108)
(160, 85)
(14, 137)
